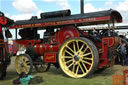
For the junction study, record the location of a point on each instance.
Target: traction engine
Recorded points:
(79, 53)
(5, 23)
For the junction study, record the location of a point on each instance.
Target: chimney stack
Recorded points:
(82, 6)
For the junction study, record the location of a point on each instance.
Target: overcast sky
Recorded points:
(24, 9)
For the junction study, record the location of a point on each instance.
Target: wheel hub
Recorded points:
(22, 65)
(76, 58)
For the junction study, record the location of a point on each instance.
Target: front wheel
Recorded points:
(78, 57)
(23, 63)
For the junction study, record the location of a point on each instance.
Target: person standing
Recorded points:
(124, 59)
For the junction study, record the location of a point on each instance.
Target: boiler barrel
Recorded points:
(55, 14)
(42, 48)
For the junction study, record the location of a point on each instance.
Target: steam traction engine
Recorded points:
(5, 23)
(79, 53)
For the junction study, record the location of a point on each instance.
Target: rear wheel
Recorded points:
(78, 57)
(23, 63)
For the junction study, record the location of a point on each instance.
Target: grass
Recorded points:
(57, 77)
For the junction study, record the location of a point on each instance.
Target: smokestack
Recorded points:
(82, 6)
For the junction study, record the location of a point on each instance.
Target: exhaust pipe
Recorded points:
(82, 6)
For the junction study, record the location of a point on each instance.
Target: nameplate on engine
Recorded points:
(50, 57)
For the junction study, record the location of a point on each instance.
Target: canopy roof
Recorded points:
(93, 18)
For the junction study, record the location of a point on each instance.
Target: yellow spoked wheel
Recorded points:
(23, 63)
(78, 57)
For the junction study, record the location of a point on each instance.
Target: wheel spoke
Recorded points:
(85, 49)
(84, 66)
(87, 58)
(77, 45)
(74, 46)
(69, 53)
(81, 47)
(67, 57)
(87, 54)
(81, 68)
(77, 69)
(27, 62)
(24, 59)
(70, 65)
(73, 69)
(70, 49)
(69, 61)
(86, 62)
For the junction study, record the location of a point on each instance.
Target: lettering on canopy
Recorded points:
(95, 19)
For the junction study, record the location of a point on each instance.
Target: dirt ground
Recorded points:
(57, 77)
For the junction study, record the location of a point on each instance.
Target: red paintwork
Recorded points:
(43, 48)
(84, 33)
(67, 32)
(46, 49)
(27, 42)
(105, 46)
(12, 48)
(99, 46)
(57, 23)
(3, 22)
(3, 45)
(37, 48)
(54, 39)
(50, 57)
